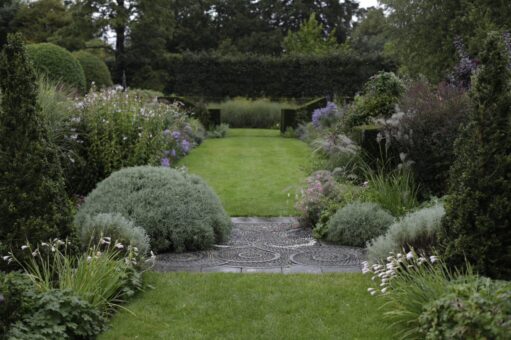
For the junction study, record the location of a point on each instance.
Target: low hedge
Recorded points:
(266, 76)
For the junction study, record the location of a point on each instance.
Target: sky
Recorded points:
(368, 3)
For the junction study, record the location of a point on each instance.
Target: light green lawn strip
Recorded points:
(252, 306)
(252, 171)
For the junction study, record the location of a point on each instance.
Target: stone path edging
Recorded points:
(266, 245)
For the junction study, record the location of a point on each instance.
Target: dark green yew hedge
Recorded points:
(257, 76)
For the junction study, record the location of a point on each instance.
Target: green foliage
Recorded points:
(371, 33)
(8, 11)
(57, 64)
(247, 113)
(357, 223)
(19, 299)
(95, 70)
(477, 225)
(416, 230)
(178, 211)
(479, 309)
(425, 132)
(33, 202)
(256, 76)
(424, 32)
(117, 228)
(59, 314)
(310, 39)
(379, 98)
(394, 191)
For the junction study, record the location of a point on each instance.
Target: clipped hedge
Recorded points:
(95, 70)
(258, 76)
(57, 64)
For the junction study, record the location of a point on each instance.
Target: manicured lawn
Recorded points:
(252, 170)
(252, 306)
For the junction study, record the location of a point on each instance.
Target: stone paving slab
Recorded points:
(266, 245)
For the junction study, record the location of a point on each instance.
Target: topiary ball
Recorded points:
(357, 223)
(57, 64)
(178, 211)
(95, 70)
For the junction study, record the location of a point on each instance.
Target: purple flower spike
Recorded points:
(185, 146)
(165, 162)
(173, 153)
(176, 135)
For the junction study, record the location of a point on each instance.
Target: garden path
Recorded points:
(268, 245)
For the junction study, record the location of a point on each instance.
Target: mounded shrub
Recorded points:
(178, 211)
(479, 309)
(477, 224)
(118, 228)
(357, 223)
(18, 292)
(95, 70)
(417, 230)
(57, 64)
(34, 205)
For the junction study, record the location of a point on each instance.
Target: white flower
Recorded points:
(409, 256)
(6, 258)
(119, 246)
(44, 244)
(373, 293)
(53, 249)
(35, 252)
(24, 247)
(433, 259)
(89, 258)
(370, 289)
(384, 290)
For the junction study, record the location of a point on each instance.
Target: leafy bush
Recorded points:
(255, 75)
(95, 70)
(357, 223)
(33, 202)
(57, 64)
(480, 309)
(380, 96)
(248, 113)
(117, 228)
(416, 230)
(425, 130)
(59, 314)
(116, 129)
(219, 131)
(477, 226)
(178, 211)
(19, 298)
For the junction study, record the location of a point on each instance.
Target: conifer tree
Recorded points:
(477, 225)
(33, 201)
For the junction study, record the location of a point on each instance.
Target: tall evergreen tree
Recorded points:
(33, 202)
(477, 225)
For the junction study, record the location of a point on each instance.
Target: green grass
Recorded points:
(252, 306)
(252, 171)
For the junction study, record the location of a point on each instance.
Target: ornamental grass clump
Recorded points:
(178, 211)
